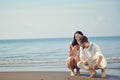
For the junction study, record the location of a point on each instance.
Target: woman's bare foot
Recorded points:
(78, 74)
(72, 73)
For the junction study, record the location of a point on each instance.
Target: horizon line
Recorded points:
(51, 37)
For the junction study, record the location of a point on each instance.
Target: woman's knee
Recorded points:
(77, 60)
(70, 62)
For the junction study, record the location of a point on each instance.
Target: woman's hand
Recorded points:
(72, 50)
(97, 63)
(76, 47)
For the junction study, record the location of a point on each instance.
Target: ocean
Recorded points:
(50, 54)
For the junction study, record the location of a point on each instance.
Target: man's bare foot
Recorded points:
(92, 74)
(103, 75)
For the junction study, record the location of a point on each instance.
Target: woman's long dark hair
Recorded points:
(74, 42)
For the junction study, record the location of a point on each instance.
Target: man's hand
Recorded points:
(95, 66)
(85, 62)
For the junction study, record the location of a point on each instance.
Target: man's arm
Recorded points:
(97, 62)
(84, 61)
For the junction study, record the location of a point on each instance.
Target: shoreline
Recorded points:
(51, 75)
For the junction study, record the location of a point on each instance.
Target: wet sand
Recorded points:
(50, 75)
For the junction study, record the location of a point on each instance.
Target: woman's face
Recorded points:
(78, 36)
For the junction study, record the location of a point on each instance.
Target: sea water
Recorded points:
(50, 54)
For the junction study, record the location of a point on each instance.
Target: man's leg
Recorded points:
(103, 74)
(83, 66)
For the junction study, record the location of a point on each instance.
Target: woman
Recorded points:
(73, 54)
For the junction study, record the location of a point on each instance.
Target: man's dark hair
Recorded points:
(84, 39)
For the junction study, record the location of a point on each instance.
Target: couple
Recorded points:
(85, 55)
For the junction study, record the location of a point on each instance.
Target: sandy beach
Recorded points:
(49, 75)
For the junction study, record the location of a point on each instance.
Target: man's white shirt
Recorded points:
(91, 54)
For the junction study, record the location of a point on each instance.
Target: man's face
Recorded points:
(84, 45)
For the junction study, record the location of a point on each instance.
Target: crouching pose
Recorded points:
(73, 54)
(91, 57)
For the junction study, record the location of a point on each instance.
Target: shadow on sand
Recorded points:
(96, 77)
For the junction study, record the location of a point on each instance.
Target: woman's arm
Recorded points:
(72, 50)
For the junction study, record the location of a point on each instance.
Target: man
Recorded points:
(91, 57)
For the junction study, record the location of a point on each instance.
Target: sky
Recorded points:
(21, 19)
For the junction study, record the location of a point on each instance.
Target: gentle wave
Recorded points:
(49, 61)
(113, 59)
(31, 61)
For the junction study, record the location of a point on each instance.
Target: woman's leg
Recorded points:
(70, 65)
(77, 68)
(78, 71)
